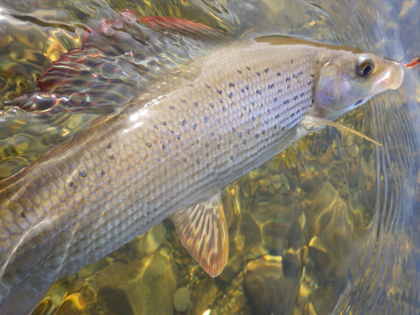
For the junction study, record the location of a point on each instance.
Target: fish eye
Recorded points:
(365, 68)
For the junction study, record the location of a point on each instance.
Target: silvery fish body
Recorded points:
(167, 151)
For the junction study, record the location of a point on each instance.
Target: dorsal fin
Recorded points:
(183, 26)
(203, 231)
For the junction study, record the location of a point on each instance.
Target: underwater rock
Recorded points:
(153, 290)
(182, 299)
(151, 241)
(204, 296)
(267, 288)
(250, 231)
(115, 301)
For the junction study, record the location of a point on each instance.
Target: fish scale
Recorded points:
(168, 150)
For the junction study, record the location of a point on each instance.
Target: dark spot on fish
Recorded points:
(263, 132)
(196, 104)
(247, 87)
(194, 126)
(359, 102)
(171, 107)
(230, 95)
(23, 215)
(102, 173)
(292, 61)
(259, 92)
(288, 79)
(78, 82)
(253, 118)
(258, 74)
(248, 68)
(286, 102)
(244, 141)
(283, 128)
(211, 105)
(276, 116)
(295, 97)
(148, 144)
(219, 91)
(266, 70)
(178, 137)
(218, 146)
(243, 90)
(198, 161)
(239, 71)
(111, 157)
(109, 146)
(270, 86)
(278, 74)
(164, 123)
(208, 86)
(163, 147)
(206, 119)
(82, 174)
(72, 185)
(257, 136)
(232, 158)
(275, 99)
(231, 84)
(155, 126)
(112, 97)
(184, 101)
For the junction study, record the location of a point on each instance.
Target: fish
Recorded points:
(169, 154)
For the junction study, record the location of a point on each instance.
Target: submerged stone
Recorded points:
(267, 288)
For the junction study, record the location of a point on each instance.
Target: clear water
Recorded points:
(330, 226)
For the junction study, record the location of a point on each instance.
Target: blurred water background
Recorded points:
(330, 226)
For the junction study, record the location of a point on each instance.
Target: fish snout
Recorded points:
(393, 77)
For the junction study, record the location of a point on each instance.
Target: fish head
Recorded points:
(347, 80)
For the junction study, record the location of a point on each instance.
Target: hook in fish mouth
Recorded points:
(414, 62)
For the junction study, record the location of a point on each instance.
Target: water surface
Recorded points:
(331, 225)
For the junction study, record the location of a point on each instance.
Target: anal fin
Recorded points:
(203, 231)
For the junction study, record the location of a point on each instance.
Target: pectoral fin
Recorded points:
(203, 231)
(316, 122)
